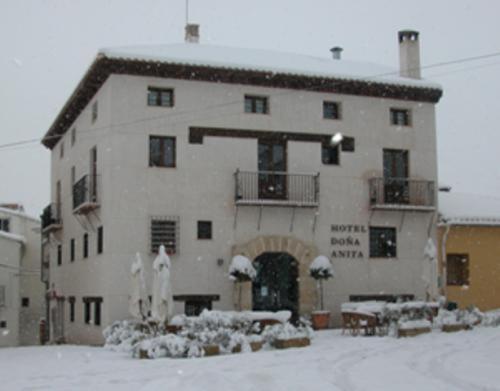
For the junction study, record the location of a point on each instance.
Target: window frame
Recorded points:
(72, 249)
(337, 112)
(462, 277)
(204, 230)
(253, 107)
(5, 224)
(100, 240)
(171, 249)
(94, 111)
(395, 112)
(59, 254)
(159, 100)
(71, 301)
(163, 151)
(73, 135)
(382, 252)
(85, 246)
(25, 302)
(327, 159)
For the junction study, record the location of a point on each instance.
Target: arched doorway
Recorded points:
(276, 287)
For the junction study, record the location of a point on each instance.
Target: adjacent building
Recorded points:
(21, 291)
(469, 236)
(216, 151)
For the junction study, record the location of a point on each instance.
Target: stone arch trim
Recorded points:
(302, 251)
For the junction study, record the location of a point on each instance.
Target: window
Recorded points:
(256, 104)
(161, 151)
(59, 255)
(61, 149)
(382, 242)
(163, 97)
(400, 117)
(204, 230)
(329, 154)
(2, 295)
(95, 111)
(71, 301)
(85, 245)
(73, 177)
(25, 302)
(165, 230)
(5, 225)
(3, 324)
(195, 307)
(457, 269)
(88, 303)
(72, 249)
(331, 110)
(100, 239)
(73, 136)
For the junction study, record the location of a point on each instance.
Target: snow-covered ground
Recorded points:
(467, 360)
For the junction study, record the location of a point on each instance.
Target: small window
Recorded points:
(73, 136)
(59, 255)
(100, 239)
(163, 97)
(457, 269)
(256, 104)
(330, 154)
(165, 231)
(72, 249)
(161, 151)
(5, 225)
(86, 311)
(85, 245)
(71, 308)
(25, 302)
(382, 242)
(204, 230)
(3, 324)
(331, 110)
(88, 303)
(95, 111)
(195, 307)
(97, 313)
(400, 117)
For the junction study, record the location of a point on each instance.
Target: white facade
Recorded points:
(201, 187)
(21, 290)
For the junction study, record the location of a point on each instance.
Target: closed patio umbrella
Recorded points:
(162, 304)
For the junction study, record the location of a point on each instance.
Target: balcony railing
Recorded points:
(402, 193)
(276, 188)
(86, 194)
(51, 217)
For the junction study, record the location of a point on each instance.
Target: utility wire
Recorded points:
(312, 88)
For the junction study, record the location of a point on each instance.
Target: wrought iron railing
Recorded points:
(51, 215)
(86, 191)
(276, 188)
(402, 192)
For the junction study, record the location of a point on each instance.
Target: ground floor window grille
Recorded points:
(94, 303)
(165, 230)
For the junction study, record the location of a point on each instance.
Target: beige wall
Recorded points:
(201, 187)
(482, 244)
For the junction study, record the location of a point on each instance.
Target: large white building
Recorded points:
(217, 151)
(21, 290)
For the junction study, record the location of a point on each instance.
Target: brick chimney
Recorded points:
(192, 33)
(409, 54)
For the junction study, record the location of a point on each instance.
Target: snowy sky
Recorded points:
(47, 45)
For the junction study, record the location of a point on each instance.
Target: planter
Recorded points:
(291, 343)
(143, 353)
(452, 328)
(320, 320)
(413, 332)
(255, 346)
(211, 350)
(173, 329)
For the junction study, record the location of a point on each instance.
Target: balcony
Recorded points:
(276, 189)
(402, 194)
(51, 218)
(86, 194)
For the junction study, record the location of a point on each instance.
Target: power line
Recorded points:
(210, 107)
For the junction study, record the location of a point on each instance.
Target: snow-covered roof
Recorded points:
(468, 209)
(11, 236)
(13, 212)
(264, 60)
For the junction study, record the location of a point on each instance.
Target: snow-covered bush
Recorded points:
(491, 319)
(169, 345)
(468, 317)
(286, 331)
(124, 335)
(321, 269)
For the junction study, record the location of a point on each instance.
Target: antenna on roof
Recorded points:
(192, 30)
(187, 12)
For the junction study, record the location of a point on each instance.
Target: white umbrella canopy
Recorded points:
(138, 301)
(162, 304)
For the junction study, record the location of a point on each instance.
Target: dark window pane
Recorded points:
(85, 245)
(59, 255)
(72, 249)
(256, 104)
(400, 117)
(382, 242)
(204, 230)
(164, 231)
(161, 151)
(330, 154)
(457, 269)
(25, 302)
(331, 110)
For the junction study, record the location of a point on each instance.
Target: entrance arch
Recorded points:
(303, 252)
(276, 287)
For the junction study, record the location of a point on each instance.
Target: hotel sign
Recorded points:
(346, 240)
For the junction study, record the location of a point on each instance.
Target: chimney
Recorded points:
(336, 52)
(409, 54)
(192, 33)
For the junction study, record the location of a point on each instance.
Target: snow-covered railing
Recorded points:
(276, 188)
(51, 217)
(402, 193)
(86, 194)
